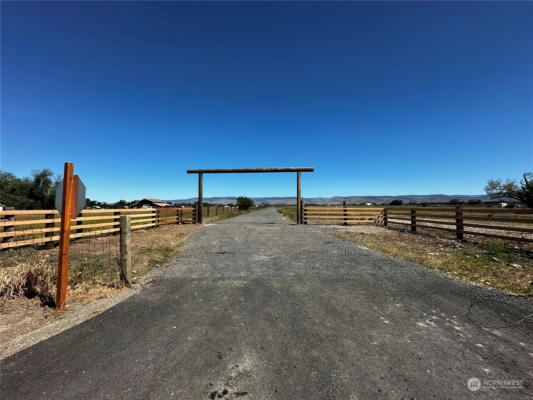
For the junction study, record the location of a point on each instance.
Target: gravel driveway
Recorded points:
(259, 308)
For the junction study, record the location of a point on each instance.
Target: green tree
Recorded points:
(474, 201)
(120, 204)
(396, 202)
(455, 202)
(523, 191)
(37, 192)
(244, 203)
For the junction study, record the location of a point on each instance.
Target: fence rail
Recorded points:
(345, 214)
(30, 227)
(500, 223)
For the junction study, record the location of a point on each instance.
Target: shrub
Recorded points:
(244, 203)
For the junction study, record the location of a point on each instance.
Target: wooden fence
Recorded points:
(215, 211)
(31, 227)
(345, 215)
(35, 227)
(514, 224)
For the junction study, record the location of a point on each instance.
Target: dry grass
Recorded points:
(93, 267)
(493, 263)
(30, 275)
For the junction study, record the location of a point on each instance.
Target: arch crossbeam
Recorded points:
(297, 170)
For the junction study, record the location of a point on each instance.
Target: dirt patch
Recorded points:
(492, 263)
(22, 315)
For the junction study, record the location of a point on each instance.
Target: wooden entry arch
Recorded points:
(298, 170)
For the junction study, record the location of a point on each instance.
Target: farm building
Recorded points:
(151, 203)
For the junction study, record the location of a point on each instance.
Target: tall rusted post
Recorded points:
(64, 236)
(199, 210)
(298, 197)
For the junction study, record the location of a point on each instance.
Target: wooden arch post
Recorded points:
(298, 170)
(299, 210)
(200, 205)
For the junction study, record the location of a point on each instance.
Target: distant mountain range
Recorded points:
(415, 198)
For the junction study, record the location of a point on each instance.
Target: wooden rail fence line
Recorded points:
(499, 223)
(38, 227)
(30, 227)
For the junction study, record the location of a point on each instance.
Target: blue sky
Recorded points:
(381, 98)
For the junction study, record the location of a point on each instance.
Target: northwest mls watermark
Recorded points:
(475, 384)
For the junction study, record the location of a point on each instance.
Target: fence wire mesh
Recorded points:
(95, 260)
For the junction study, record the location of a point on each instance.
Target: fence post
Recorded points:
(208, 208)
(125, 250)
(79, 230)
(194, 217)
(180, 215)
(459, 227)
(116, 220)
(49, 234)
(413, 220)
(345, 214)
(154, 215)
(385, 221)
(11, 228)
(304, 217)
(216, 211)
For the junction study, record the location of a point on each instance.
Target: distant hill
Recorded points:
(415, 198)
